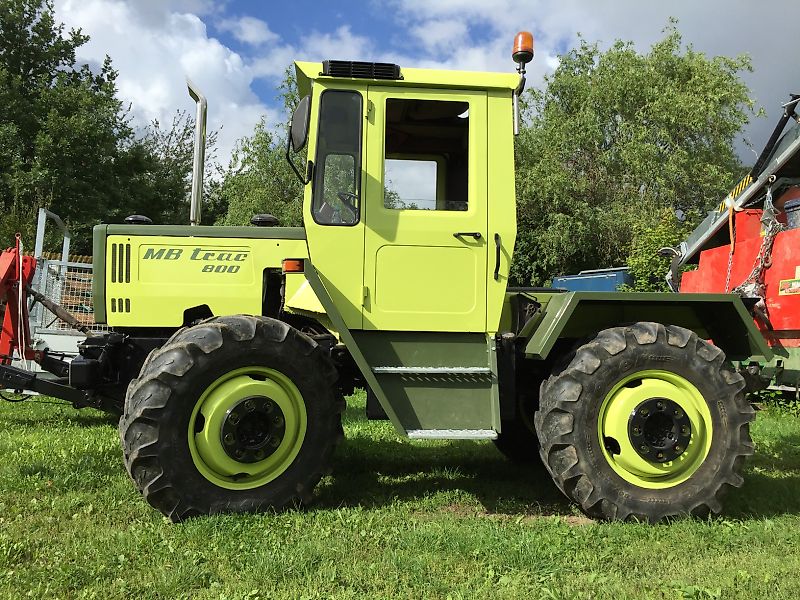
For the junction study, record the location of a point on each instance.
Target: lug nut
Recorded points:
(660, 405)
(678, 449)
(645, 411)
(233, 418)
(685, 430)
(660, 455)
(277, 421)
(644, 448)
(259, 455)
(637, 431)
(239, 453)
(268, 407)
(679, 413)
(275, 442)
(249, 405)
(229, 439)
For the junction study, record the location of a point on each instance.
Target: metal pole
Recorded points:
(195, 208)
(40, 227)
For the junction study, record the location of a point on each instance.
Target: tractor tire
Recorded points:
(645, 422)
(235, 414)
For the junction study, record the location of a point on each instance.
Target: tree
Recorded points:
(155, 169)
(647, 268)
(60, 123)
(66, 142)
(615, 139)
(258, 178)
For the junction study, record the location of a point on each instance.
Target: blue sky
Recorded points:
(293, 22)
(237, 50)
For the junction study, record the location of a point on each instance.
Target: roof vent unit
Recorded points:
(360, 70)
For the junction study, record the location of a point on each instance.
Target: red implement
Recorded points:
(16, 274)
(781, 275)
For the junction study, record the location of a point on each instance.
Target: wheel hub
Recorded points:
(252, 429)
(659, 430)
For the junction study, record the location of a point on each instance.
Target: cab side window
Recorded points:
(426, 155)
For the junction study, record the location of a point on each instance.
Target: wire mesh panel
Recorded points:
(69, 285)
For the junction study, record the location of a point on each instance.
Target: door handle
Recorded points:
(496, 256)
(473, 234)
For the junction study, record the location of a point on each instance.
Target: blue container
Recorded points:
(597, 280)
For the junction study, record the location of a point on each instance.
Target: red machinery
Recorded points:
(750, 245)
(16, 273)
(780, 322)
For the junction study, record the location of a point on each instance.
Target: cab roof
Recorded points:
(307, 72)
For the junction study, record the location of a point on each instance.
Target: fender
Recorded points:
(721, 318)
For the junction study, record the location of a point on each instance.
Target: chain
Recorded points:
(753, 285)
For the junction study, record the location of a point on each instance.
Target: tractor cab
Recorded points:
(400, 221)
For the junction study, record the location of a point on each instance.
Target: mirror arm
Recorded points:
(304, 179)
(516, 94)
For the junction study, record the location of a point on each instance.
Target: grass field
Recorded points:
(421, 520)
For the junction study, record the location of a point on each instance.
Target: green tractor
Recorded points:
(232, 348)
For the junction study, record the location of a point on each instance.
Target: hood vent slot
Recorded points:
(120, 263)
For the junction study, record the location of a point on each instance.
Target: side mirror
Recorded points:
(298, 131)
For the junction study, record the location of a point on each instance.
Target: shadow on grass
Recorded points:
(377, 472)
(95, 419)
(61, 414)
(86, 472)
(771, 481)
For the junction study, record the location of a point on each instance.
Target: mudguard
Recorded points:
(721, 318)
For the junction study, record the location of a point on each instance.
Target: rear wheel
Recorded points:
(645, 422)
(235, 414)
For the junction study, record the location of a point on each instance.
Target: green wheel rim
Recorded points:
(208, 416)
(616, 410)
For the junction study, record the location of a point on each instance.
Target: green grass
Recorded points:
(421, 520)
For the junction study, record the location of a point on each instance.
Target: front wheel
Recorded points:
(645, 422)
(236, 414)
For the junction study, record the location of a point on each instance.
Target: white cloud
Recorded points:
(716, 27)
(155, 44)
(341, 44)
(441, 35)
(155, 48)
(249, 30)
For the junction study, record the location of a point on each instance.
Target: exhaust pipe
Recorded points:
(198, 165)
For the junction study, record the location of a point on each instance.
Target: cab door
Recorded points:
(425, 240)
